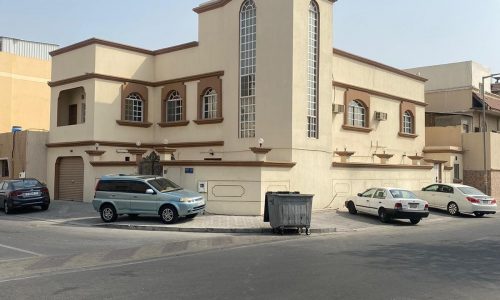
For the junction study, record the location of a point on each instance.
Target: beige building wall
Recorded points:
(453, 76)
(25, 98)
(443, 136)
(384, 136)
(25, 151)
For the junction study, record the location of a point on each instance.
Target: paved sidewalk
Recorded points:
(83, 214)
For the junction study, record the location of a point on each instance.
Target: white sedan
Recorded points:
(457, 198)
(389, 203)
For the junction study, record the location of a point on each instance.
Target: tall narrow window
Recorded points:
(134, 108)
(174, 107)
(210, 104)
(312, 71)
(408, 123)
(248, 54)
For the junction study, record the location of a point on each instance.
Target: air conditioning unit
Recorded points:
(338, 108)
(380, 116)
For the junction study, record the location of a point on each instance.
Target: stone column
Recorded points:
(384, 158)
(165, 153)
(95, 155)
(345, 155)
(260, 153)
(415, 159)
(138, 154)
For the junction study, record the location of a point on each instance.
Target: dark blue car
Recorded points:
(18, 193)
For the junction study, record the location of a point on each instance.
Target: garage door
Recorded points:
(70, 181)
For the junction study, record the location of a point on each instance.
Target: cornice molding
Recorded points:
(132, 145)
(88, 76)
(376, 93)
(201, 163)
(379, 166)
(219, 3)
(96, 41)
(377, 64)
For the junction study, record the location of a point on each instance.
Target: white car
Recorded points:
(458, 198)
(389, 203)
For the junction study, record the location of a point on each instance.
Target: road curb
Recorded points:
(204, 229)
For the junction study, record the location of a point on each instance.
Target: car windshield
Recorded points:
(164, 185)
(25, 184)
(468, 190)
(403, 194)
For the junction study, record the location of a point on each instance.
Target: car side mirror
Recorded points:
(150, 192)
(359, 194)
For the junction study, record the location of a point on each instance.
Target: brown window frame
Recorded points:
(364, 99)
(411, 108)
(142, 90)
(180, 87)
(204, 84)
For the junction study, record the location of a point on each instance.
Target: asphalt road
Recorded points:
(454, 258)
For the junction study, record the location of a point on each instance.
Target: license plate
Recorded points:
(31, 194)
(486, 202)
(413, 205)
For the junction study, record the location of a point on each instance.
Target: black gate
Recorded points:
(150, 165)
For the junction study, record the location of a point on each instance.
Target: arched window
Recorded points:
(134, 108)
(313, 64)
(408, 126)
(248, 54)
(174, 107)
(209, 104)
(357, 114)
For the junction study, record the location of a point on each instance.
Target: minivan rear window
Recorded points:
(122, 186)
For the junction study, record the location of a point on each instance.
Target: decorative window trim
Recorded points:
(180, 87)
(173, 124)
(209, 121)
(134, 124)
(364, 99)
(134, 88)
(411, 108)
(204, 84)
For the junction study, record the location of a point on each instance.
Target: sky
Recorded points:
(400, 33)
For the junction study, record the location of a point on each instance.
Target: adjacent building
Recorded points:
(24, 72)
(260, 103)
(23, 154)
(454, 118)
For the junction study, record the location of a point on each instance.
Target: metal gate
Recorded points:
(151, 165)
(69, 173)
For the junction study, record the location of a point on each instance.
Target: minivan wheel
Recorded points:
(44, 206)
(453, 209)
(108, 213)
(168, 214)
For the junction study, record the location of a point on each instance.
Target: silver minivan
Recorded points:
(135, 195)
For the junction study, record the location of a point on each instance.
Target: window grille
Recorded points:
(312, 79)
(174, 107)
(357, 114)
(248, 54)
(134, 108)
(210, 104)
